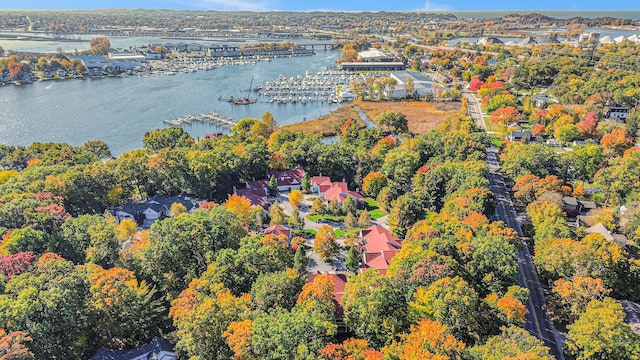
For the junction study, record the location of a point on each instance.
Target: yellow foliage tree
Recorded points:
(295, 198)
(241, 206)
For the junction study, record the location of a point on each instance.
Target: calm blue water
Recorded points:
(120, 110)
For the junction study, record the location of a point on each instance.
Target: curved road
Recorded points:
(537, 322)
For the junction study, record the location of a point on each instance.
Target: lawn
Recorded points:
(326, 125)
(373, 209)
(325, 217)
(422, 116)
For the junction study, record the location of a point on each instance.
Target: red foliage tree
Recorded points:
(475, 83)
(15, 264)
(537, 129)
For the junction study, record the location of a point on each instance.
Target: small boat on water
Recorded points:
(245, 100)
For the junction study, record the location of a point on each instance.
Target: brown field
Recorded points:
(325, 125)
(421, 116)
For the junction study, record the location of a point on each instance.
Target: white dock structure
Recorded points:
(208, 118)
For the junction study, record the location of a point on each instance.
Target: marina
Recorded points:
(208, 118)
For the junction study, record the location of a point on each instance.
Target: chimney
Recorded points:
(234, 189)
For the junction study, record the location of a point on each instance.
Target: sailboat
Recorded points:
(246, 100)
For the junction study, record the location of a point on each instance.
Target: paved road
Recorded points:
(475, 111)
(537, 321)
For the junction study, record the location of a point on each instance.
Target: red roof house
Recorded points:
(339, 192)
(278, 230)
(376, 238)
(378, 260)
(320, 184)
(339, 283)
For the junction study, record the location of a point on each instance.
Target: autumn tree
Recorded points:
(201, 314)
(318, 207)
(295, 198)
(13, 346)
(325, 244)
(118, 302)
(373, 183)
(241, 206)
(296, 221)
(512, 343)
(615, 143)
(427, 339)
(505, 115)
(301, 261)
(573, 296)
(600, 333)
(364, 220)
(276, 213)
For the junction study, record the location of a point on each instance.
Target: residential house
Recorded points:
(599, 228)
(320, 184)
(278, 230)
(155, 208)
(157, 349)
(517, 135)
(256, 191)
(619, 113)
(378, 247)
(339, 284)
(340, 192)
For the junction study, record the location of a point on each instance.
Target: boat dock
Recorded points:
(208, 118)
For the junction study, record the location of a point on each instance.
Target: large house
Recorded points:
(338, 191)
(157, 349)
(257, 191)
(278, 230)
(155, 208)
(378, 247)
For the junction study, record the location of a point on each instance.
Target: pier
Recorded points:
(207, 118)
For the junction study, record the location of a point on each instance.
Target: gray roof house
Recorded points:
(157, 207)
(157, 349)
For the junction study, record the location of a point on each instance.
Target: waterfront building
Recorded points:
(374, 55)
(372, 66)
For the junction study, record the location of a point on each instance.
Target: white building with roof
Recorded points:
(374, 55)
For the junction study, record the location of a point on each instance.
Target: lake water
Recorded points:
(120, 110)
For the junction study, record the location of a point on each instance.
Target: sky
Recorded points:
(331, 5)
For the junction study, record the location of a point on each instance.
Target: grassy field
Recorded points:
(422, 116)
(325, 125)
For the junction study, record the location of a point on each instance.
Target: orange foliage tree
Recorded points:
(427, 340)
(241, 206)
(325, 243)
(615, 143)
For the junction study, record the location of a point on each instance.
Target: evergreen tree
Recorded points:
(272, 188)
(353, 259)
(296, 221)
(349, 206)
(276, 214)
(318, 207)
(335, 208)
(306, 182)
(300, 260)
(364, 221)
(350, 221)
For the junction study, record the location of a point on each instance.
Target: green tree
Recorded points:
(277, 290)
(349, 206)
(405, 211)
(371, 310)
(600, 333)
(512, 343)
(295, 220)
(300, 260)
(180, 248)
(171, 137)
(306, 182)
(452, 302)
(46, 304)
(272, 187)
(392, 121)
(353, 260)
